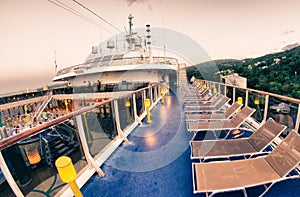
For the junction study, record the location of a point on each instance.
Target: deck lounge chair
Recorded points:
(195, 99)
(233, 123)
(215, 106)
(215, 116)
(208, 101)
(216, 177)
(198, 94)
(253, 145)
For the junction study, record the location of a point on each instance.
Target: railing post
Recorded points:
(266, 109)
(233, 95)
(155, 92)
(91, 162)
(225, 90)
(144, 98)
(117, 119)
(298, 119)
(150, 94)
(247, 98)
(9, 178)
(136, 117)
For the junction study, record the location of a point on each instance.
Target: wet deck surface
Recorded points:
(157, 161)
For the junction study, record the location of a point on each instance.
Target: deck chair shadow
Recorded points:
(279, 165)
(253, 145)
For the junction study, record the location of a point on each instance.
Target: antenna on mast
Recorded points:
(54, 48)
(130, 17)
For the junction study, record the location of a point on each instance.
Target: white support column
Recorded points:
(144, 97)
(136, 117)
(247, 98)
(233, 95)
(298, 119)
(155, 92)
(9, 178)
(150, 95)
(117, 119)
(225, 90)
(91, 162)
(266, 108)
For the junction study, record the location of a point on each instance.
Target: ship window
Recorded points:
(89, 61)
(118, 56)
(106, 58)
(96, 61)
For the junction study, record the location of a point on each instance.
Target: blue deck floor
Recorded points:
(157, 161)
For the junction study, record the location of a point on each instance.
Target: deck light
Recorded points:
(127, 103)
(256, 101)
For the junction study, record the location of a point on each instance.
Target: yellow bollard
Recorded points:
(168, 87)
(147, 104)
(67, 174)
(162, 92)
(240, 101)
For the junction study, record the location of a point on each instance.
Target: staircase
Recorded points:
(56, 144)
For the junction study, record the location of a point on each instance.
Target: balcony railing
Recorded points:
(88, 130)
(283, 109)
(119, 62)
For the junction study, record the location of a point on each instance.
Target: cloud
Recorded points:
(288, 32)
(130, 2)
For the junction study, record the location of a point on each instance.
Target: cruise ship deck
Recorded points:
(157, 161)
(144, 155)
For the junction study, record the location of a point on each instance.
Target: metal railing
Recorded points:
(119, 62)
(283, 109)
(91, 130)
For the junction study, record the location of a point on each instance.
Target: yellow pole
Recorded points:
(147, 104)
(66, 104)
(87, 128)
(168, 89)
(67, 174)
(240, 101)
(162, 92)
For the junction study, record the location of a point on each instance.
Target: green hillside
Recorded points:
(277, 73)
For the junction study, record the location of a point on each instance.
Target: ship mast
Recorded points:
(130, 34)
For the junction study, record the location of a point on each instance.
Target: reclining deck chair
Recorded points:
(233, 123)
(216, 177)
(214, 106)
(198, 102)
(215, 116)
(253, 145)
(194, 99)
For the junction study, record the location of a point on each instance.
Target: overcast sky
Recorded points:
(32, 29)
